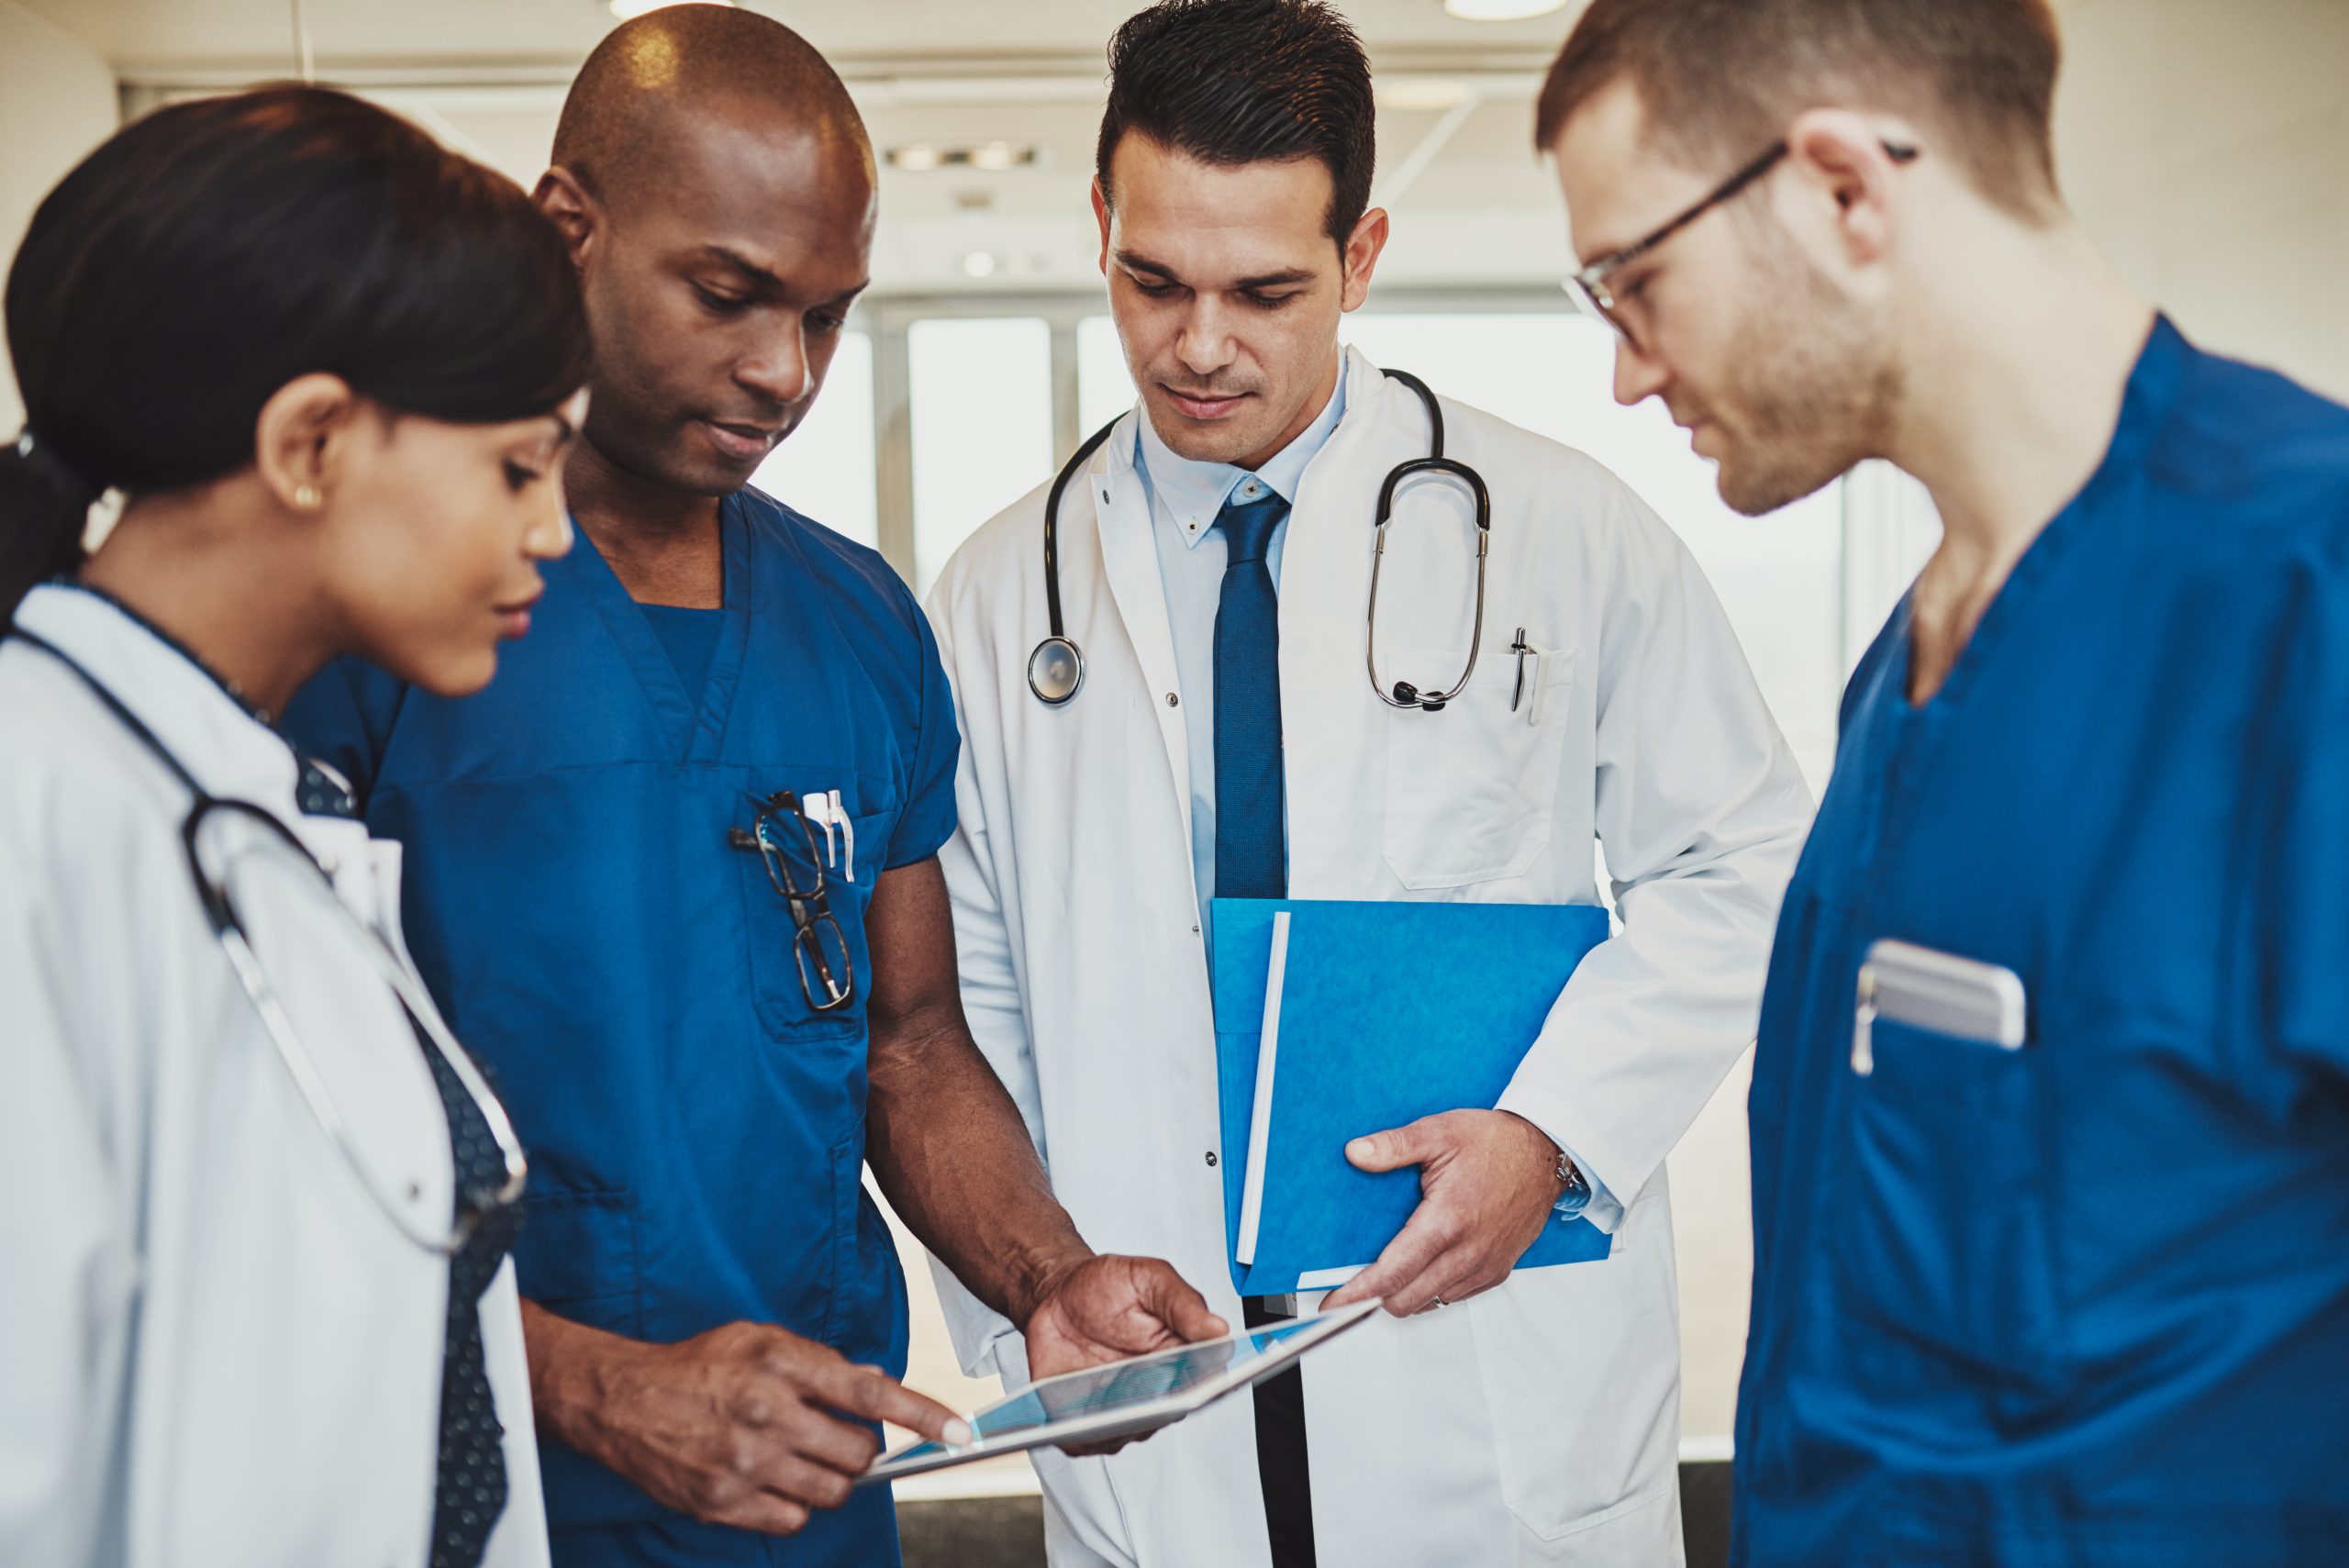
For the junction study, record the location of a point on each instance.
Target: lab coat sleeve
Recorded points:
(1700, 811)
(2298, 896)
(991, 998)
(69, 1271)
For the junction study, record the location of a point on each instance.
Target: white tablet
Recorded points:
(1119, 1399)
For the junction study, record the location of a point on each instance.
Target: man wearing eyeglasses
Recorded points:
(2051, 1105)
(674, 875)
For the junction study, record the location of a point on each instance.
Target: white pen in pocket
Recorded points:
(816, 805)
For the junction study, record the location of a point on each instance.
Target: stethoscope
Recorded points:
(480, 1204)
(1056, 669)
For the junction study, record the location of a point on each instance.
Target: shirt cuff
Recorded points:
(1602, 1210)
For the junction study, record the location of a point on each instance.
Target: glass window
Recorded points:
(824, 469)
(982, 394)
(1778, 576)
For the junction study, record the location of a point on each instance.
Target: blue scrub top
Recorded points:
(695, 1131)
(2087, 1302)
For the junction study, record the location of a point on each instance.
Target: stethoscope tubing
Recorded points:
(1056, 667)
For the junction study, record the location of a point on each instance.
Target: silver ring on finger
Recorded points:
(1441, 1302)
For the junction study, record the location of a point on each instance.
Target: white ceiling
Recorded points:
(488, 76)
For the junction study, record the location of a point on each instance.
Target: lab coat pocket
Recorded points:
(1581, 1371)
(775, 964)
(1471, 789)
(1946, 1246)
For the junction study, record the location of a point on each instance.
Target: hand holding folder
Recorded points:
(1338, 1019)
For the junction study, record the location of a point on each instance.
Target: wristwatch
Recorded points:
(1576, 1198)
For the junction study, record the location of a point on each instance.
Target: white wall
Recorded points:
(2205, 145)
(57, 101)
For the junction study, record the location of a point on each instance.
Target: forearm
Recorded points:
(950, 1150)
(566, 1361)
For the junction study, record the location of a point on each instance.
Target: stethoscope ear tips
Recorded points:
(1055, 671)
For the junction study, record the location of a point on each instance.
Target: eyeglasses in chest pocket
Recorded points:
(807, 864)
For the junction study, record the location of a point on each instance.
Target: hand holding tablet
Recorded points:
(1124, 1398)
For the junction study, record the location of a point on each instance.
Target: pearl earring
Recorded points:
(306, 497)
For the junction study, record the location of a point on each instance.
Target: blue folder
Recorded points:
(1390, 1012)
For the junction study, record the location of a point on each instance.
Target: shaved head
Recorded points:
(654, 78)
(717, 191)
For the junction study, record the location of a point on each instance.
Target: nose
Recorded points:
(778, 372)
(1637, 376)
(1205, 345)
(549, 536)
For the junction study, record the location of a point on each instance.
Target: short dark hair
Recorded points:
(1235, 82)
(206, 255)
(1719, 79)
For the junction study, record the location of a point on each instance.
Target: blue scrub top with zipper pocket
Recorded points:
(2084, 1302)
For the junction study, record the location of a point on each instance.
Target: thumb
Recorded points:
(1391, 1150)
(1174, 1302)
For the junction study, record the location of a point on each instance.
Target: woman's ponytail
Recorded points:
(44, 505)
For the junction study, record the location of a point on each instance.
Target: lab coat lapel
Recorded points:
(1129, 564)
(1329, 715)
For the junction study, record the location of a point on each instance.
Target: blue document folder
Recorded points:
(1388, 1013)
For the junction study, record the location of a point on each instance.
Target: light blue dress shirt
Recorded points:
(1186, 497)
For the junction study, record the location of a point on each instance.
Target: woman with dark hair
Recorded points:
(254, 1201)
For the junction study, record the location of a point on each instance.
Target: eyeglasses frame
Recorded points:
(810, 908)
(1587, 285)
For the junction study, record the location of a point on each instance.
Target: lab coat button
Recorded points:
(1173, 701)
(1210, 1156)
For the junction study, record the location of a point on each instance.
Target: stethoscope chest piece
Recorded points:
(1055, 671)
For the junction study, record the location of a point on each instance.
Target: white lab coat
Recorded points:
(215, 1351)
(1537, 1423)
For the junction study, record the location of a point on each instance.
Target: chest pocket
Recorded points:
(785, 978)
(1471, 790)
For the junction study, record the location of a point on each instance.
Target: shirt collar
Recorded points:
(1194, 491)
(226, 747)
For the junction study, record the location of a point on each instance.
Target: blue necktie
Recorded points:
(1251, 856)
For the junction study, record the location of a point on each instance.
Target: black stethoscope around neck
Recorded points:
(1056, 669)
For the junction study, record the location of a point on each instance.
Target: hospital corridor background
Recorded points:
(2205, 144)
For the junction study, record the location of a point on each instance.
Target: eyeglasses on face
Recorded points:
(1589, 287)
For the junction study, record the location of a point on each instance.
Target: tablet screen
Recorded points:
(1120, 1384)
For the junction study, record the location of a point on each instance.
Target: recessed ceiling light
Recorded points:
(979, 264)
(989, 157)
(1426, 92)
(629, 10)
(1500, 10)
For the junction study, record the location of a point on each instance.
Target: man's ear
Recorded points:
(1360, 255)
(577, 213)
(1840, 161)
(1101, 217)
(301, 439)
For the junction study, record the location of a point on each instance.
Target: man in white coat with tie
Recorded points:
(1209, 574)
